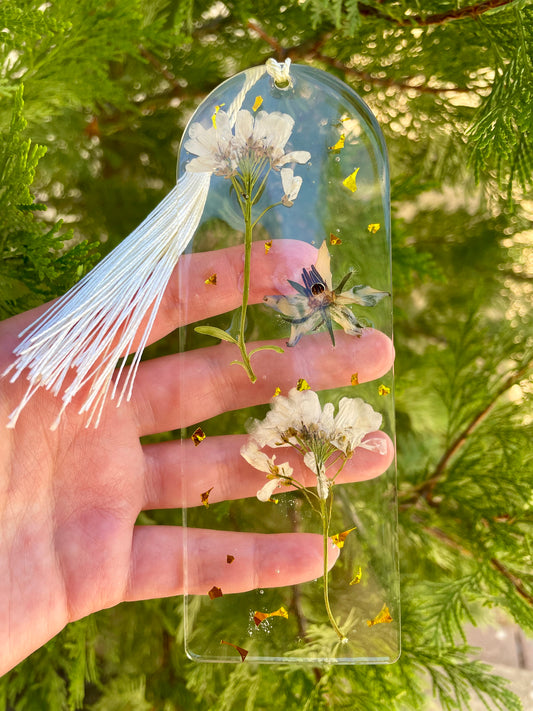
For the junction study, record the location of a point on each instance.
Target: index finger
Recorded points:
(205, 284)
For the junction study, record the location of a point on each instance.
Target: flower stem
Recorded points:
(325, 514)
(247, 213)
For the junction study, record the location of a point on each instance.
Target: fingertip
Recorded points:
(289, 559)
(373, 352)
(277, 263)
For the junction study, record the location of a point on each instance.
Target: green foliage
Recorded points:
(32, 267)
(108, 88)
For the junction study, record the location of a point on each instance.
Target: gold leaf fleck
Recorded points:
(382, 617)
(339, 538)
(350, 181)
(198, 436)
(215, 592)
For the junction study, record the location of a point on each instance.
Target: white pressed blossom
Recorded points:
(354, 420)
(291, 186)
(323, 439)
(277, 474)
(255, 138)
(213, 146)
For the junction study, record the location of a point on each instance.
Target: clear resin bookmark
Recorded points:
(299, 199)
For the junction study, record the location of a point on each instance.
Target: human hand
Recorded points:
(70, 498)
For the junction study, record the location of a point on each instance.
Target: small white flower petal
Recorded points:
(268, 489)
(255, 457)
(375, 444)
(354, 420)
(291, 185)
(294, 157)
(322, 264)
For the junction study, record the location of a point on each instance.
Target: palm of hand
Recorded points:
(70, 498)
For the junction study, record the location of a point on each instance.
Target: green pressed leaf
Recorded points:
(277, 349)
(216, 333)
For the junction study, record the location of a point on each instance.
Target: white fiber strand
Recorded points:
(109, 314)
(88, 330)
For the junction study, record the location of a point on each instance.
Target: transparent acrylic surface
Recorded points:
(313, 415)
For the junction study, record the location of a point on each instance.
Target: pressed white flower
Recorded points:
(255, 138)
(266, 491)
(277, 473)
(213, 146)
(249, 134)
(355, 419)
(299, 421)
(291, 186)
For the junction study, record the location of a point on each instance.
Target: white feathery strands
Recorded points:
(110, 312)
(96, 323)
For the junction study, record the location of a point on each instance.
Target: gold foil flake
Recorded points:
(302, 384)
(261, 616)
(339, 144)
(211, 280)
(350, 181)
(205, 497)
(356, 576)
(333, 239)
(214, 116)
(215, 592)
(383, 390)
(242, 652)
(277, 392)
(382, 617)
(268, 246)
(373, 227)
(354, 380)
(198, 436)
(339, 538)
(257, 103)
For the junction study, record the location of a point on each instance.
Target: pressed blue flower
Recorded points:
(318, 304)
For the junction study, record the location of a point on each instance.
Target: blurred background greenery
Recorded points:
(93, 99)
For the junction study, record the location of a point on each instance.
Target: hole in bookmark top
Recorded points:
(289, 503)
